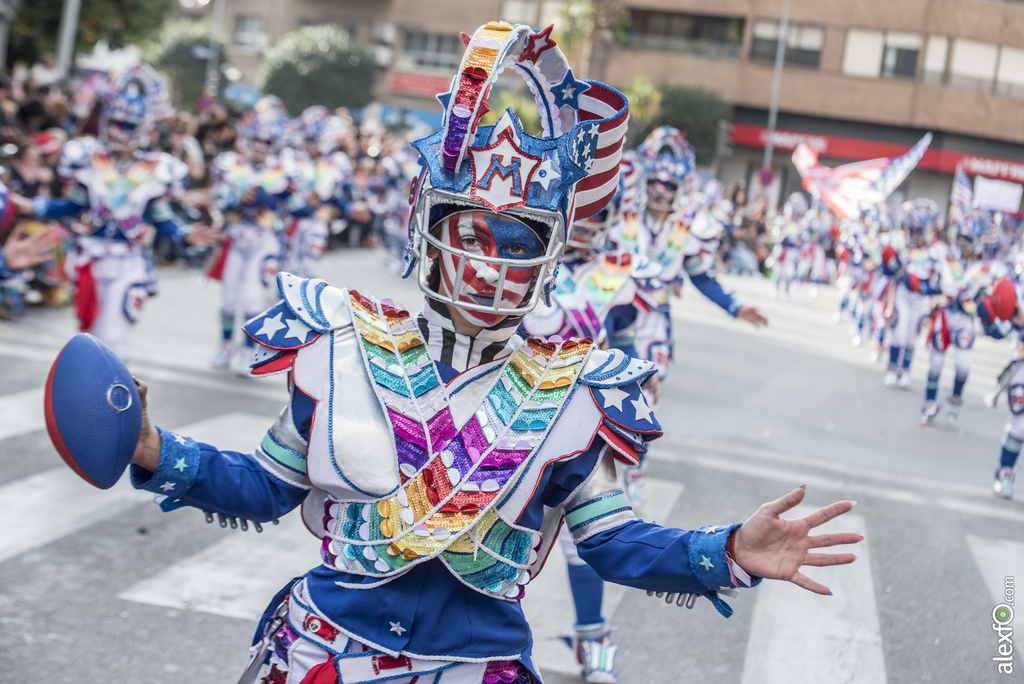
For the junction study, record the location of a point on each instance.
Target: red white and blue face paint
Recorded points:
(120, 135)
(661, 194)
(498, 241)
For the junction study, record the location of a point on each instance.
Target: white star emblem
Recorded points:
(296, 329)
(613, 396)
(643, 411)
(567, 92)
(271, 326)
(180, 440)
(545, 174)
(168, 486)
(397, 628)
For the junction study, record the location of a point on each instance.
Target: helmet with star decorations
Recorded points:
(133, 101)
(666, 161)
(540, 184)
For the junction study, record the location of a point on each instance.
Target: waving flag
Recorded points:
(607, 108)
(844, 189)
(962, 195)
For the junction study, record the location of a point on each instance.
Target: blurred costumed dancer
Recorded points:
(254, 191)
(916, 283)
(125, 193)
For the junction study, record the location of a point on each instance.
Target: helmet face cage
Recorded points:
(546, 264)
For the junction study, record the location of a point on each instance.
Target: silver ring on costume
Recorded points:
(110, 398)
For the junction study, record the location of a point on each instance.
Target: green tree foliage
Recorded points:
(318, 65)
(644, 104)
(179, 51)
(119, 22)
(696, 112)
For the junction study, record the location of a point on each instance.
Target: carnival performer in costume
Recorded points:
(658, 223)
(964, 276)
(786, 251)
(318, 176)
(254, 192)
(125, 193)
(916, 282)
(436, 454)
(1005, 304)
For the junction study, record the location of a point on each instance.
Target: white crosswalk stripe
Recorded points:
(21, 413)
(52, 504)
(839, 636)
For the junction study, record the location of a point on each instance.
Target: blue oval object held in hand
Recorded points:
(93, 411)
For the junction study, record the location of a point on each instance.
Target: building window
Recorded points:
(715, 37)
(972, 65)
(899, 60)
(803, 43)
(251, 32)
(888, 54)
(432, 51)
(935, 54)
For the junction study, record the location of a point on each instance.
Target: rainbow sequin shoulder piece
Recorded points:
(452, 477)
(668, 248)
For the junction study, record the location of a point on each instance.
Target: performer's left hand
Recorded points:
(770, 547)
(752, 316)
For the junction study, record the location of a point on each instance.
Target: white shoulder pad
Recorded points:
(172, 173)
(322, 307)
(614, 368)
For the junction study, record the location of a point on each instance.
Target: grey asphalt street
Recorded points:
(103, 587)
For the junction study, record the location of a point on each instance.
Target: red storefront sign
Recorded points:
(417, 84)
(857, 149)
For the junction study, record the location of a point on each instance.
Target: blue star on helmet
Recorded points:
(567, 92)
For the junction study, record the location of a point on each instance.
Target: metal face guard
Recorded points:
(547, 263)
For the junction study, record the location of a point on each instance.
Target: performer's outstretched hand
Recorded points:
(147, 451)
(770, 547)
(203, 234)
(25, 251)
(752, 316)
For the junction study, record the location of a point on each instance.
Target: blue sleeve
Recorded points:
(620, 318)
(48, 209)
(712, 289)
(228, 482)
(4, 271)
(646, 556)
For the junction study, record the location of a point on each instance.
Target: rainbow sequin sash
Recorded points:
(453, 478)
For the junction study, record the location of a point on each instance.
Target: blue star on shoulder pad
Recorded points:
(278, 328)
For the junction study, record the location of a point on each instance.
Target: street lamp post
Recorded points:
(68, 29)
(773, 109)
(213, 58)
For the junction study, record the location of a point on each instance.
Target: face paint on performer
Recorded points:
(661, 194)
(120, 135)
(260, 150)
(488, 235)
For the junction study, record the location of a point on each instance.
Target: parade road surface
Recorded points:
(100, 586)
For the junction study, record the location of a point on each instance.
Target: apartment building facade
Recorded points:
(860, 79)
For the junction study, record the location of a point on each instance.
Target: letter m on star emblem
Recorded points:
(502, 172)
